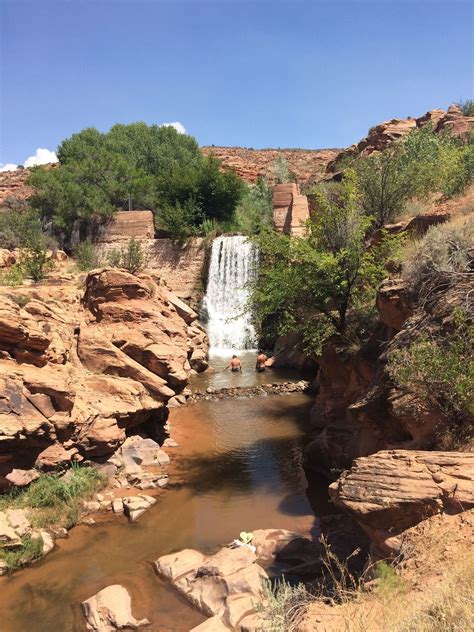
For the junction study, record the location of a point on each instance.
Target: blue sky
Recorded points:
(261, 73)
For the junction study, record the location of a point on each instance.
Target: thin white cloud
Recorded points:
(179, 127)
(8, 167)
(41, 157)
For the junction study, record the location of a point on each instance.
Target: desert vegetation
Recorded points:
(53, 500)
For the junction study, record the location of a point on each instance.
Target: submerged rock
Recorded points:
(110, 609)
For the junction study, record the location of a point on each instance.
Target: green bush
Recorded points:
(181, 220)
(34, 258)
(13, 277)
(419, 164)
(130, 257)
(255, 210)
(443, 370)
(440, 258)
(86, 256)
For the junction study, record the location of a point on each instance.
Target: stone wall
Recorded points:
(180, 264)
(127, 224)
(290, 209)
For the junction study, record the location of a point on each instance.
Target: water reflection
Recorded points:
(241, 463)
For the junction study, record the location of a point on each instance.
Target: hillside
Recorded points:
(249, 164)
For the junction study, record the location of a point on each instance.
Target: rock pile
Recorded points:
(250, 391)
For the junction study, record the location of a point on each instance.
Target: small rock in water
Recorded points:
(117, 506)
(135, 506)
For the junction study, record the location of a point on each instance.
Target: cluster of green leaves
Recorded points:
(130, 257)
(414, 167)
(86, 255)
(442, 369)
(316, 285)
(148, 166)
(23, 230)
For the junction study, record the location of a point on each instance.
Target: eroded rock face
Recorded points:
(75, 377)
(111, 609)
(393, 490)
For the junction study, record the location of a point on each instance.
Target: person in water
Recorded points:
(235, 365)
(261, 359)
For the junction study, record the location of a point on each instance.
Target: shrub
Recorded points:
(180, 220)
(130, 257)
(284, 605)
(443, 370)
(441, 258)
(86, 255)
(316, 284)
(467, 107)
(255, 211)
(13, 277)
(280, 172)
(34, 258)
(419, 164)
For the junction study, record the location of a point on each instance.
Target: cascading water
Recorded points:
(233, 266)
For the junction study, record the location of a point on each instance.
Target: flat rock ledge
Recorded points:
(393, 490)
(250, 391)
(111, 609)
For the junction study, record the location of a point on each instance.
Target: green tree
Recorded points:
(147, 166)
(316, 284)
(419, 164)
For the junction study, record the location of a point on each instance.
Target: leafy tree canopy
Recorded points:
(325, 281)
(151, 166)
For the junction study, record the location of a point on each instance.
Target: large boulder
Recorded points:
(226, 585)
(393, 490)
(111, 609)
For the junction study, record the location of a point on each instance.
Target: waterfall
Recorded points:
(233, 265)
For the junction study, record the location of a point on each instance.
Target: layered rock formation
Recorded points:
(359, 409)
(380, 136)
(394, 490)
(79, 369)
(290, 209)
(250, 164)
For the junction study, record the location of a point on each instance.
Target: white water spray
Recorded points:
(233, 266)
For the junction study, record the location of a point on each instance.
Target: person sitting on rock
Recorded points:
(235, 365)
(261, 360)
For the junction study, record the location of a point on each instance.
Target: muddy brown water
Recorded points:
(238, 468)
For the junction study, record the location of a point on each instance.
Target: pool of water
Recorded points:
(238, 468)
(218, 377)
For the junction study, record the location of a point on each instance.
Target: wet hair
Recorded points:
(234, 356)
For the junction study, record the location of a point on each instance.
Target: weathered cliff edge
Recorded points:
(359, 410)
(80, 368)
